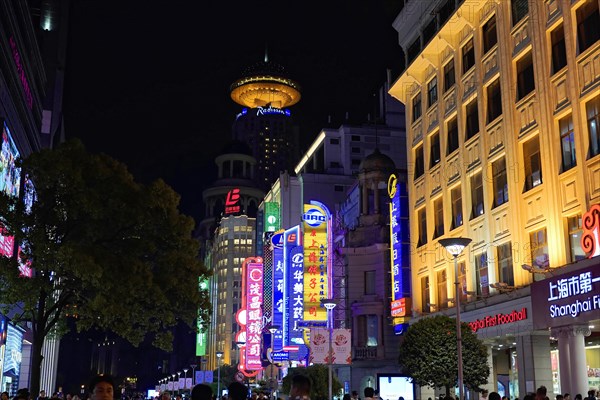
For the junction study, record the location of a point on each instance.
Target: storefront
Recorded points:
(569, 306)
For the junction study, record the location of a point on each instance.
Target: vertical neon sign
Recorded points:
(293, 288)
(278, 287)
(254, 300)
(317, 269)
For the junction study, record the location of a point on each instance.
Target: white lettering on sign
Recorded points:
(574, 309)
(572, 286)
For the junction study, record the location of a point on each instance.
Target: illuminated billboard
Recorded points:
(293, 288)
(201, 336)
(278, 289)
(399, 255)
(232, 202)
(10, 180)
(271, 223)
(316, 222)
(254, 317)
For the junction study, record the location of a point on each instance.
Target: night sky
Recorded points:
(148, 81)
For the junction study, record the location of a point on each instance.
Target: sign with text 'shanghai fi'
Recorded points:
(570, 298)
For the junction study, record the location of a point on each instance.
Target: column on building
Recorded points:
(533, 358)
(571, 358)
(491, 385)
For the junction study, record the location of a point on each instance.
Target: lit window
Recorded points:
(538, 241)
(593, 123)
(442, 290)
(500, 182)
(435, 149)
(505, 264)
(575, 232)
(482, 284)
(457, 213)
(425, 297)
(476, 195)
(567, 143)
(438, 207)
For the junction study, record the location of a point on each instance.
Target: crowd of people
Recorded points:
(102, 387)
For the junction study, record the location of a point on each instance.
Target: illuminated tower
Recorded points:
(265, 123)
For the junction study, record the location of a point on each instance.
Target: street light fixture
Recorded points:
(185, 370)
(173, 376)
(274, 381)
(219, 355)
(193, 366)
(330, 304)
(455, 247)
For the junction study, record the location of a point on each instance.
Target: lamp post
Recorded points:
(219, 355)
(274, 382)
(455, 246)
(330, 304)
(193, 366)
(185, 370)
(178, 380)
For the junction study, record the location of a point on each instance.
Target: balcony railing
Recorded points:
(365, 353)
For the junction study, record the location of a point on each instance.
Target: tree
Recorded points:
(111, 253)
(319, 377)
(428, 354)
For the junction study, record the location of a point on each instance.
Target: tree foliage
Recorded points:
(428, 354)
(111, 253)
(319, 377)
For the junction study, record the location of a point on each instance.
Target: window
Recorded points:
(457, 213)
(525, 82)
(490, 37)
(519, 9)
(435, 149)
(482, 283)
(468, 56)
(369, 282)
(452, 128)
(494, 99)
(505, 264)
(476, 195)
(355, 138)
(442, 290)
(416, 107)
(334, 141)
(559, 52)
(500, 182)
(567, 142)
(432, 92)
(574, 229)
(413, 50)
(539, 248)
(419, 162)
(588, 25)
(425, 297)
(593, 118)
(429, 31)
(472, 122)
(532, 161)
(356, 150)
(438, 208)
(449, 76)
(368, 331)
(422, 220)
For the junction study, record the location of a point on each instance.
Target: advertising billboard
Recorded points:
(201, 336)
(399, 254)
(10, 180)
(254, 316)
(271, 217)
(13, 350)
(278, 288)
(316, 222)
(293, 288)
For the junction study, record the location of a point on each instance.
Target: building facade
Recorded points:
(503, 148)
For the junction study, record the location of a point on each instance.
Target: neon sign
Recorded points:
(254, 323)
(272, 110)
(21, 72)
(231, 201)
(278, 289)
(400, 271)
(317, 232)
(498, 319)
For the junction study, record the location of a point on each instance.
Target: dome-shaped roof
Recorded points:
(236, 147)
(376, 161)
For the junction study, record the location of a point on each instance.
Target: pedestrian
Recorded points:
(42, 395)
(566, 396)
(202, 392)
(347, 396)
(540, 393)
(591, 394)
(4, 396)
(102, 387)
(504, 398)
(559, 397)
(300, 388)
(369, 392)
(494, 396)
(484, 395)
(355, 395)
(237, 391)
(165, 395)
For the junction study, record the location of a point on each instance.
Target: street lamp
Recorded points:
(193, 366)
(329, 304)
(274, 382)
(455, 246)
(173, 376)
(178, 380)
(219, 355)
(185, 370)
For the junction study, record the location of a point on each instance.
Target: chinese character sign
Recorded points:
(278, 286)
(254, 300)
(293, 285)
(316, 224)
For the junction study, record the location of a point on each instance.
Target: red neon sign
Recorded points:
(590, 240)
(498, 319)
(231, 201)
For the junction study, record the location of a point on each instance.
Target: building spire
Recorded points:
(266, 52)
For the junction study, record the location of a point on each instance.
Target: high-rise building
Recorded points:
(265, 123)
(503, 108)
